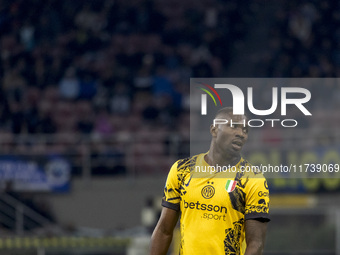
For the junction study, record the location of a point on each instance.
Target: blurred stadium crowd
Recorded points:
(99, 68)
(89, 70)
(102, 82)
(304, 40)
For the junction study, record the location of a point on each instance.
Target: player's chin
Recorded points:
(233, 151)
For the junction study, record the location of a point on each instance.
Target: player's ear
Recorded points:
(213, 130)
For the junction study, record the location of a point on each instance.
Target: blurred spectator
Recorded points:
(103, 125)
(120, 101)
(69, 85)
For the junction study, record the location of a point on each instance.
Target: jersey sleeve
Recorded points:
(257, 199)
(171, 197)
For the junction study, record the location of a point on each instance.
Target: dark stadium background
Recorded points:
(94, 109)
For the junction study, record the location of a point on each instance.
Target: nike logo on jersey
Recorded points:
(187, 184)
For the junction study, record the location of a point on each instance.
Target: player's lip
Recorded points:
(237, 142)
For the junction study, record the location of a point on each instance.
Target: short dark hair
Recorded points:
(225, 111)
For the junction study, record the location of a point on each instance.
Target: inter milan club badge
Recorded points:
(230, 186)
(208, 191)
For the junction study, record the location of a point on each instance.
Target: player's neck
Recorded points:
(214, 157)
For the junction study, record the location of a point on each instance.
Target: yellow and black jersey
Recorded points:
(214, 207)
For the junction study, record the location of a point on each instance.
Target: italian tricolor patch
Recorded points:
(230, 185)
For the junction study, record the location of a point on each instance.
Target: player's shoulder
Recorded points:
(183, 167)
(186, 164)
